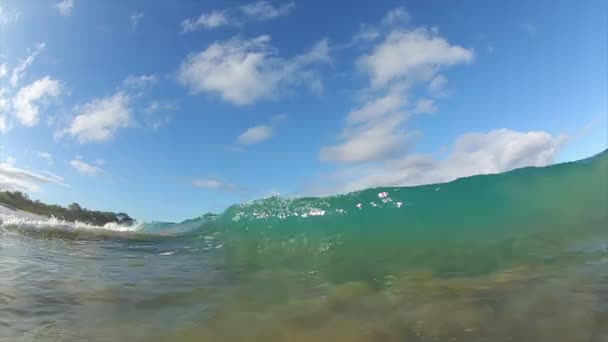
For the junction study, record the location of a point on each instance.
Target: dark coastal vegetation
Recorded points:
(73, 212)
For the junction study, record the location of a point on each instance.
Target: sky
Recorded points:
(167, 110)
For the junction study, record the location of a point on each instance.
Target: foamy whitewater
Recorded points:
(519, 256)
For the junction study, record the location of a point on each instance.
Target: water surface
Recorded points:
(521, 256)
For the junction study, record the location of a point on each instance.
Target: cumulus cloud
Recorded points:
(411, 54)
(20, 69)
(26, 103)
(472, 153)
(99, 119)
(215, 184)
(243, 71)
(13, 178)
(208, 20)
(65, 7)
(85, 168)
(373, 140)
(263, 10)
(398, 63)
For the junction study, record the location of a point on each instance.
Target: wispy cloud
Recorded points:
(20, 69)
(46, 156)
(4, 125)
(215, 184)
(155, 106)
(65, 7)
(529, 29)
(264, 10)
(135, 19)
(86, 168)
(8, 16)
(255, 135)
(257, 11)
(259, 133)
(14, 178)
(140, 81)
(208, 20)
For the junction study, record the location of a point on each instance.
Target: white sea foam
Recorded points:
(22, 219)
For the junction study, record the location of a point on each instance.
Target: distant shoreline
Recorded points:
(19, 203)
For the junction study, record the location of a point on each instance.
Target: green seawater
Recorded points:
(519, 256)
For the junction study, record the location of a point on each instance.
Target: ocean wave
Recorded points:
(53, 227)
(522, 197)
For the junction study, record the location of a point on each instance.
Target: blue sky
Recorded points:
(167, 110)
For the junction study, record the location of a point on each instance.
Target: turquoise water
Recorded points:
(520, 256)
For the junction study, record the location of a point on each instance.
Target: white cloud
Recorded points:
(397, 64)
(4, 127)
(473, 153)
(425, 106)
(209, 20)
(373, 140)
(65, 7)
(11, 160)
(8, 16)
(397, 16)
(26, 103)
(13, 178)
(98, 120)
(20, 69)
(243, 71)
(135, 19)
(437, 85)
(411, 54)
(255, 134)
(263, 10)
(3, 70)
(215, 184)
(366, 33)
(394, 100)
(85, 168)
(140, 81)
(155, 106)
(46, 156)
(4, 102)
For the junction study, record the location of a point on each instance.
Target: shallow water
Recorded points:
(521, 256)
